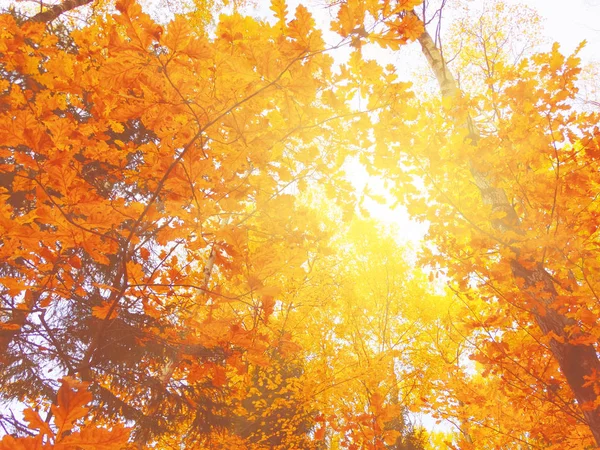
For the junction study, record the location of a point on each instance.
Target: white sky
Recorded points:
(570, 22)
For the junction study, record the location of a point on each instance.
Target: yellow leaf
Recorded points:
(280, 9)
(390, 437)
(271, 291)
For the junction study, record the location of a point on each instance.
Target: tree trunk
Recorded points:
(575, 361)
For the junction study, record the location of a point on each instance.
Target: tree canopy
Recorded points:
(186, 260)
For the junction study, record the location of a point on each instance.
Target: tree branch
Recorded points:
(56, 10)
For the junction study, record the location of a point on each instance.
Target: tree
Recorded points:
(502, 204)
(172, 254)
(134, 199)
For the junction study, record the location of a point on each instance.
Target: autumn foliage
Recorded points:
(186, 262)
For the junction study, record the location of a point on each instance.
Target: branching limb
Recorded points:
(55, 11)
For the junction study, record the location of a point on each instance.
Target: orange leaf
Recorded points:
(93, 438)
(36, 422)
(28, 443)
(320, 434)
(178, 35)
(70, 405)
(219, 376)
(102, 311)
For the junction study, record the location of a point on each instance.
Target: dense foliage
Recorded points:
(185, 262)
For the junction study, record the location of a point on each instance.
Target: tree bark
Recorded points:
(575, 361)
